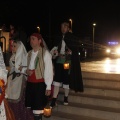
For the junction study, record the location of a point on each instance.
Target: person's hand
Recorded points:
(55, 52)
(29, 72)
(47, 92)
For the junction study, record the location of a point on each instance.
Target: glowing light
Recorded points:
(108, 50)
(113, 43)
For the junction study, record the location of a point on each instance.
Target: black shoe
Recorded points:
(53, 103)
(65, 101)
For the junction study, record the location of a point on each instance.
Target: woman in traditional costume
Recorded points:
(16, 83)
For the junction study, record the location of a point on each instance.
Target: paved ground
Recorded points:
(102, 65)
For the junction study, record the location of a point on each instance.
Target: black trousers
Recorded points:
(35, 95)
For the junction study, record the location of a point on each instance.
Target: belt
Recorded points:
(15, 74)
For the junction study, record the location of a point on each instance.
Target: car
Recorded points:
(113, 49)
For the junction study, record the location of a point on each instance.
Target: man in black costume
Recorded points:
(66, 50)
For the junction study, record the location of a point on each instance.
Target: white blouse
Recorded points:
(33, 56)
(62, 51)
(48, 71)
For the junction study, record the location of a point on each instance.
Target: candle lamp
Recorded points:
(47, 111)
(66, 65)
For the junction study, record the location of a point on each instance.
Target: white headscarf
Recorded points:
(45, 45)
(20, 57)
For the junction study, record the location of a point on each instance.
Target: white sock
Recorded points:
(55, 91)
(66, 92)
(38, 112)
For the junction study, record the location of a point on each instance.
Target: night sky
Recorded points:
(49, 15)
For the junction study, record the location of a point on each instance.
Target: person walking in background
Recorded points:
(40, 76)
(16, 83)
(65, 49)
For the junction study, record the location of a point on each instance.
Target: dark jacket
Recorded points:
(72, 42)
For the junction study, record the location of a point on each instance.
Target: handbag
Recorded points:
(15, 87)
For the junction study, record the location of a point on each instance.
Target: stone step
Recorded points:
(100, 76)
(100, 91)
(57, 115)
(106, 113)
(92, 100)
(113, 84)
(100, 99)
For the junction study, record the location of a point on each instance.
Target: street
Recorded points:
(102, 65)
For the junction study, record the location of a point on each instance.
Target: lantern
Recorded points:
(47, 111)
(66, 65)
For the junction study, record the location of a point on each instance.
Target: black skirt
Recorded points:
(35, 95)
(61, 74)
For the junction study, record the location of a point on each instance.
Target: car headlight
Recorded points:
(118, 50)
(108, 50)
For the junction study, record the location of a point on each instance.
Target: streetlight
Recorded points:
(94, 24)
(70, 24)
(38, 29)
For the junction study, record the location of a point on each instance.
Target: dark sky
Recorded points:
(48, 14)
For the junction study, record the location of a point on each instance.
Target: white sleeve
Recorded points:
(48, 72)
